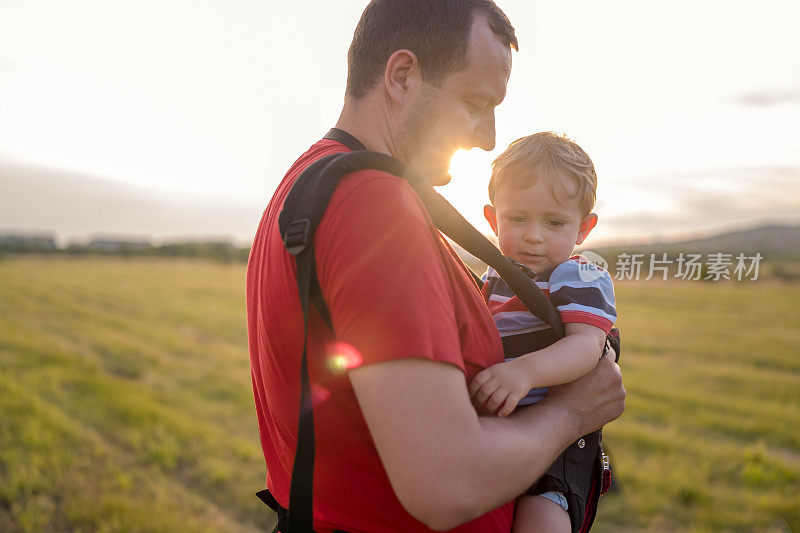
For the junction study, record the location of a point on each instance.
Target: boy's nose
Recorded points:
(533, 233)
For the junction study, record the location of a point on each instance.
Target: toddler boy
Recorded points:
(542, 192)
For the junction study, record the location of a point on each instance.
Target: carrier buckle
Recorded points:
(296, 237)
(606, 482)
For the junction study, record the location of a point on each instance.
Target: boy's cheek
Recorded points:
(505, 243)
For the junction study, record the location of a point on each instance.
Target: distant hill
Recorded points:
(779, 247)
(774, 242)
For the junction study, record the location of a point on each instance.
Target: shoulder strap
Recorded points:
(345, 138)
(302, 212)
(306, 203)
(299, 208)
(454, 225)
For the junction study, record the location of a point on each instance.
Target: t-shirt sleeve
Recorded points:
(382, 275)
(583, 293)
(488, 280)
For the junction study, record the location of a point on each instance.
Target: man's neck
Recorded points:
(372, 121)
(366, 121)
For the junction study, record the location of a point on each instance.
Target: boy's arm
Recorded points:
(502, 386)
(566, 360)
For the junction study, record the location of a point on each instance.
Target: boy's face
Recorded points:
(538, 226)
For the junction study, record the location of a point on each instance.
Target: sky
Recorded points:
(178, 118)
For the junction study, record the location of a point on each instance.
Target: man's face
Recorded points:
(459, 113)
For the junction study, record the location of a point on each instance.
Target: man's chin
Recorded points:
(436, 177)
(442, 179)
(439, 174)
(435, 170)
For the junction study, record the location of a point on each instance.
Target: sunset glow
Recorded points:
(690, 120)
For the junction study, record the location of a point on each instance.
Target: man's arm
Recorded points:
(446, 464)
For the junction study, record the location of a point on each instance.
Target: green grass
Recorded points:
(126, 404)
(710, 440)
(125, 397)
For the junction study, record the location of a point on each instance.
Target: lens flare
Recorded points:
(319, 394)
(341, 357)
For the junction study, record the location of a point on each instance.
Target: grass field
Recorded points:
(125, 402)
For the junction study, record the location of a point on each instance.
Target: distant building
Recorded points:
(10, 241)
(118, 245)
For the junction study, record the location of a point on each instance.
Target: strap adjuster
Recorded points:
(606, 476)
(296, 237)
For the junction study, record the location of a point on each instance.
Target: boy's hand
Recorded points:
(500, 386)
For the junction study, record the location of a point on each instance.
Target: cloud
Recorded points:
(73, 205)
(770, 98)
(721, 198)
(7, 65)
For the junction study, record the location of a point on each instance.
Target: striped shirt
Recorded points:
(581, 291)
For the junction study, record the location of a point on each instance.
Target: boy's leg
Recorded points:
(539, 514)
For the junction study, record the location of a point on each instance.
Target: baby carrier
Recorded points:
(302, 211)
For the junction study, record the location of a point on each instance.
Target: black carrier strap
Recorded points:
(341, 136)
(302, 212)
(582, 472)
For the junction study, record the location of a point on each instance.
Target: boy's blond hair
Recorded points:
(545, 155)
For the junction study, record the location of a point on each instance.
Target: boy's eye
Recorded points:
(555, 223)
(518, 219)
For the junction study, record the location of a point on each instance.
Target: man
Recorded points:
(399, 446)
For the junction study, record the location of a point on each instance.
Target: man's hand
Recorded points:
(593, 400)
(500, 386)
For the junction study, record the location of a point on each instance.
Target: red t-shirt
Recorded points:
(395, 289)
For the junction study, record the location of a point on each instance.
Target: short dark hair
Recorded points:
(437, 31)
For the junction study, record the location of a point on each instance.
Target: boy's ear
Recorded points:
(491, 217)
(587, 225)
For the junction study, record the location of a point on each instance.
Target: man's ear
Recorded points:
(491, 216)
(401, 68)
(587, 225)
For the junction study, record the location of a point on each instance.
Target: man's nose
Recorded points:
(485, 133)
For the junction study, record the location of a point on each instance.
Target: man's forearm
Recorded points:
(509, 454)
(448, 465)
